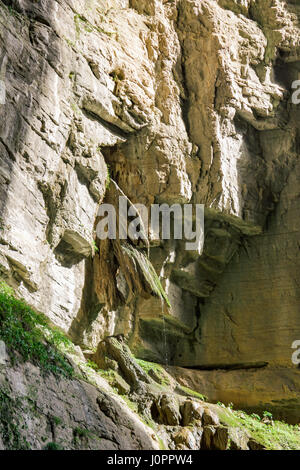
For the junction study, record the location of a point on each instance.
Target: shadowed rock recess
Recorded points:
(161, 101)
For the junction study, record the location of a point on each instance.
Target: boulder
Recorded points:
(191, 411)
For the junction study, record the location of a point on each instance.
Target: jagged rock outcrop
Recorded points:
(166, 102)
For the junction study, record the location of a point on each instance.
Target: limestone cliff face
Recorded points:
(163, 101)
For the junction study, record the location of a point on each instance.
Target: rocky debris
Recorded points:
(183, 422)
(165, 410)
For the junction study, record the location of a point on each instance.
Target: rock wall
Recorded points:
(165, 102)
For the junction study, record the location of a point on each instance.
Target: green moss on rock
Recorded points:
(28, 332)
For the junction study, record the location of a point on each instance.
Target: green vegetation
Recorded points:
(267, 414)
(95, 246)
(274, 436)
(255, 416)
(110, 376)
(12, 11)
(82, 23)
(53, 446)
(80, 434)
(156, 368)
(70, 43)
(92, 365)
(161, 444)
(147, 366)
(56, 420)
(192, 393)
(131, 404)
(11, 422)
(28, 332)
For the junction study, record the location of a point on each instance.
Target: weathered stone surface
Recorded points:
(165, 410)
(220, 439)
(239, 439)
(185, 439)
(198, 109)
(207, 437)
(72, 414)
(210, 418)
(191, 411)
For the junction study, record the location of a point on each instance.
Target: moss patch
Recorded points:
(156, 368)
(191, 393)
(131, 404)
(28, 332)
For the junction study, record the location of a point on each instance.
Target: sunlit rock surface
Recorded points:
(184, 101)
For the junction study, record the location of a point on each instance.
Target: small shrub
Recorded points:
(92, 365)
(53, 446)
(268, 415)
(56, 420)
(81, 432)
